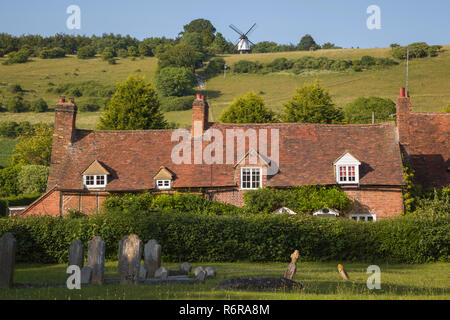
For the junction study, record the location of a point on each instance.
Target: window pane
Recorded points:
(369, 218)
(351, 173)
(342, 174)
(89, 180)
(100, 180)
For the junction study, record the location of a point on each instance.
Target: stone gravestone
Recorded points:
(7, 260)
(142, 272)
(76, 254)
(86, 275)
(130, 254)
(186, 267)
(152, 257)
(198, 270)
(210, 272)
(162, 273)
(96, 259)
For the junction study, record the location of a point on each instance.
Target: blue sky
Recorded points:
(342, 22)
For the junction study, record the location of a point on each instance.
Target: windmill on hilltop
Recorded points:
(243, 44)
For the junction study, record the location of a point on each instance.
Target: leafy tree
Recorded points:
(447, 109)
(172, 81)
(8, 181)
(17, 104)
(248, 109)
(306, 43)
(360, 110)
(215, 66)
(181, 55)
(220, 45)
(86, 52)
(194, 39)
(311, 104)
(34, 146)
(52, 53)
(203, 27)
(329, 45)
(39, 105)
(132, 51)
(133, 106)
(32, 179)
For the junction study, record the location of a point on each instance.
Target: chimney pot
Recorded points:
(402, 92)
(198, 96)
(71, 100)
(62, 99)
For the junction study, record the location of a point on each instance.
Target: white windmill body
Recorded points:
(243, 44)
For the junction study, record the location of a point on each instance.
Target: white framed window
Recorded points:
(363, 217)
(95, 181)
(347, 169)
(251, 178)
(347, 174)
(163, 184)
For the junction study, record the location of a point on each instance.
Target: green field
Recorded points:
(320, 280)
(6, 150)
(429, 81)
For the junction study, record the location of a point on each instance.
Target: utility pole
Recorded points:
(407, 69)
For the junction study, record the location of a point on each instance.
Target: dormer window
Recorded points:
(163, 184)
(95, 181)
(95, 176)
(347, 169)
(163, 179)
(251, 178)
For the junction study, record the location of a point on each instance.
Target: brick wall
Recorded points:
(425, 141)
(384, 202)
(46, 205)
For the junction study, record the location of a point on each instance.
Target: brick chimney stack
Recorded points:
(200, 111)
(403, 111)
(65, 117)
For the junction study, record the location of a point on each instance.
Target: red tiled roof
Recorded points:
(307, 153)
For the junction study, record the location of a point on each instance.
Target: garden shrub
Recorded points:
(199, 237)
(20, 56)
(39, 105)
(176, 103)
(86, 52)
(244, 66)
(17, 104)
(302, 199)
(20, 200)
(52, 53)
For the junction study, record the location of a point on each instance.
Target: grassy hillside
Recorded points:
(429, 81)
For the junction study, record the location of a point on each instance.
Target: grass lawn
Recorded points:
(6, 150)
(321, 281)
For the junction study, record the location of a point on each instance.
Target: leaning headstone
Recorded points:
(162, 273)
(152, 257)
(76, 254)
(142, 271)
(96, 259)
(186, 267)
(86, 275)
(210, 272)
(130, 254)
(201, 275)
(198, 270)
(7, 260)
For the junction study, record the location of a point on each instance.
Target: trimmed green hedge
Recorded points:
(193, 237)
(21, 200)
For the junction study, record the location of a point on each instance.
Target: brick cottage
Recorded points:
(365, 160)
